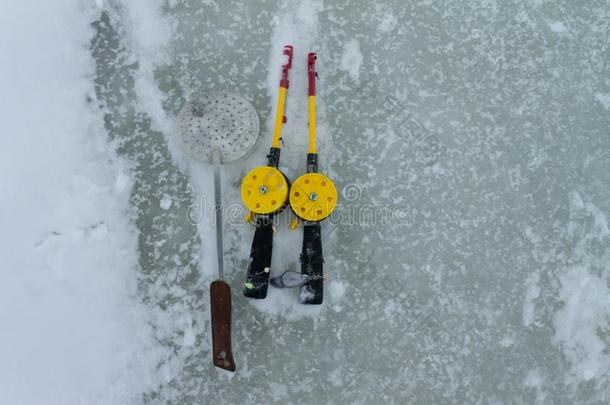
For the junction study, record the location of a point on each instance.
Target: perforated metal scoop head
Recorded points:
(221, 121)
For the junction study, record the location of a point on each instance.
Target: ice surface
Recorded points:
(468, 261)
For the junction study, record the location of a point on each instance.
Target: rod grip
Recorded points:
(312, 264)
(257, 280)
(273, 158)
(312, 163)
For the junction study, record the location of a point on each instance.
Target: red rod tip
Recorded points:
(311, 72)
(288, 49)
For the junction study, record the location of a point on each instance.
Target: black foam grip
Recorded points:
(273, 158)
(312, 163)
(257, 280)
(312, 264)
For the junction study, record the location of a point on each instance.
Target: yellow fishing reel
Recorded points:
(264, 190)
(313, 197)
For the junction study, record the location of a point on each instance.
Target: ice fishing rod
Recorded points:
(313, 197)
(264, 191)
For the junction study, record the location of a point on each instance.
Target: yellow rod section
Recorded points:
(312, 124)
(279, 118)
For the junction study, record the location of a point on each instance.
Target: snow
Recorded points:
(582, 323)
(72, 329)
(585, 313)
(351, 60)
(532, 292)
(166, 202)
(149, 36)
(388, 22)
(534, 380)
(558, 27)
(603, 99)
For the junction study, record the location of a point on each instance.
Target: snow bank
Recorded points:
(71, 331)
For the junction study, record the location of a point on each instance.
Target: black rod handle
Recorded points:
(312, 265)
(257, 279)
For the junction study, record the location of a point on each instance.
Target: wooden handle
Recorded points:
(220, 307)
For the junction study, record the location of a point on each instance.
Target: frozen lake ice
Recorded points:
(468, 261)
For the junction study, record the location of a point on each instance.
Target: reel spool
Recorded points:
(264, 190)
(313, 197)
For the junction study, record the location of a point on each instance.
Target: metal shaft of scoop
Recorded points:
(218, 209)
